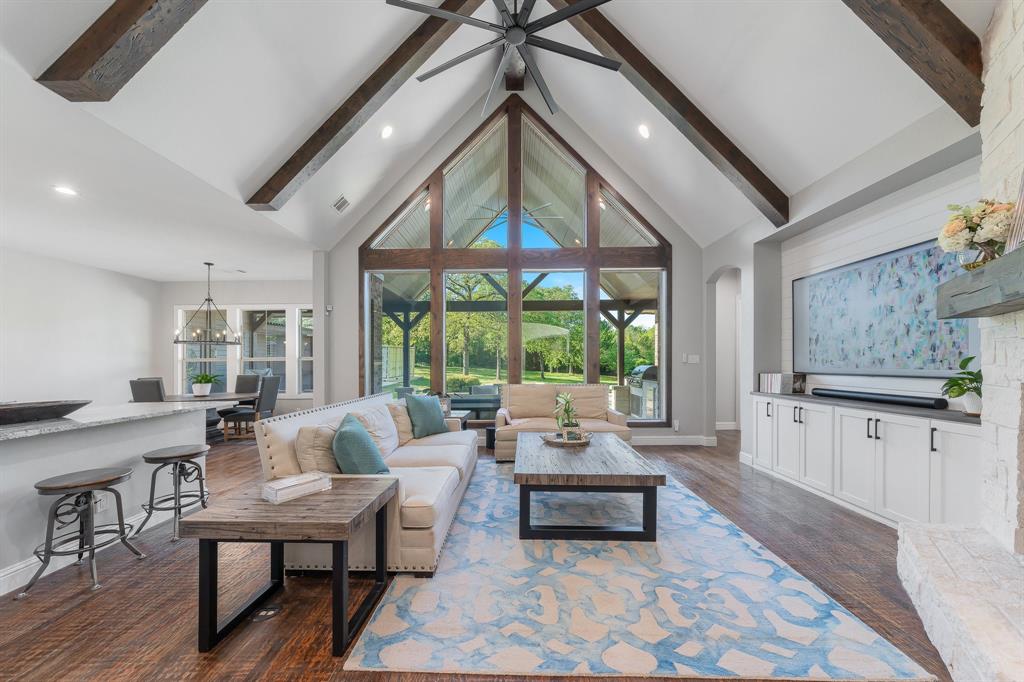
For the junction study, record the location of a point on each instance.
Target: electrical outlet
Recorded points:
(693, 359)
(100, 505)
(675, 424)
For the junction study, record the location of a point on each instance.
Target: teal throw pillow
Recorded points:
(426, 415)
(355, 451)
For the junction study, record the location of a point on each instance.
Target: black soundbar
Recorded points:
(908, 400)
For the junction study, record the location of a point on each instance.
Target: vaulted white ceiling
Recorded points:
(801, 87)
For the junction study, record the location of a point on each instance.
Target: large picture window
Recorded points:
(518, 263)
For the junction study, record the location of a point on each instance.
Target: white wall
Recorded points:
(70, 331)
(910, 216)
(727, 326)
(233, 293)
(688, 405)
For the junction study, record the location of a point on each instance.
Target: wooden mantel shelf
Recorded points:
(995, 289)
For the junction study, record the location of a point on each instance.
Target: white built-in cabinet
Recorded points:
(895, 466)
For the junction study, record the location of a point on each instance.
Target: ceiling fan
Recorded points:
(516, 34)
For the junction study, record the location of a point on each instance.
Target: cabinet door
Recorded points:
(855, 456)
(817, 445)
(764, 433)
(902, 468)
(955, 473)
(787, 438)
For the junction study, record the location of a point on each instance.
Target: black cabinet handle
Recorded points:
(794, 415)
(931, 440)
(767, 409)
(800, 418)
(877, 437)
(869, 427)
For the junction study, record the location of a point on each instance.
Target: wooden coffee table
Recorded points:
(607, 465)
(331, 516)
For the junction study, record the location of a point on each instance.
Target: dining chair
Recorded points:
(243, 418)
(244, 383)
(148, 390)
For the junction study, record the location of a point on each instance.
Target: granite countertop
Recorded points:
(924, 412)
(103, 415)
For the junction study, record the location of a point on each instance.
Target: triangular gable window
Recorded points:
(619, 227)
(554, 193)
(411, 229)
(476, 193)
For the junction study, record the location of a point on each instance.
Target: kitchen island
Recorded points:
(91, 438)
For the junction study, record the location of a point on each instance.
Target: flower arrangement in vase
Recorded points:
(978, 233)
(565, 416)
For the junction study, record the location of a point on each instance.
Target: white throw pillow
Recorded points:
(381, 427)
(314, 448)
(403, 424)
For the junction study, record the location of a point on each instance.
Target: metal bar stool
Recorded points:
(77, 503)
(183, 470)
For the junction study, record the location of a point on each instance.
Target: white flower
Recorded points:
(959, 241)
(994, 227)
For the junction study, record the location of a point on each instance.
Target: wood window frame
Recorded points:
(590, 259)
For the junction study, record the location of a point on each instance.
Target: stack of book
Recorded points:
(781, 382)
(291, 487)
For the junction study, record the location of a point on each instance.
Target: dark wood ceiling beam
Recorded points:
(682, 113)
(932, 41)
(117, 45)
(363, 103)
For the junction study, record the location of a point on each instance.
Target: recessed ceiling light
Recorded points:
(386, 131)
(644, 131)
(64, 189)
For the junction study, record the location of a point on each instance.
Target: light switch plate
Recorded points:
(693, 359)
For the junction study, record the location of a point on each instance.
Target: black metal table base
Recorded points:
(648, 532)
(211, 632)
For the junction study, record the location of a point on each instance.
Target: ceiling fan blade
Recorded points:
(562, 14)
(506, 16)
(574, 52)
(445, 14)
(524, 12)
(499, 77)
(458, 60)
(531, 66)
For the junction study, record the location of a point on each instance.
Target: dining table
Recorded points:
(188, 397)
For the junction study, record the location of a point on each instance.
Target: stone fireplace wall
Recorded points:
(1002, 337)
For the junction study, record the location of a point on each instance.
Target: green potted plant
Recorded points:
(966, 384)
(565, 417)
(202, 383)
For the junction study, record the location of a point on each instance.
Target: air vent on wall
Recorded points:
(341, 204)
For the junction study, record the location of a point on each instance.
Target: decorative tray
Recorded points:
(18, 413)
(556, 440)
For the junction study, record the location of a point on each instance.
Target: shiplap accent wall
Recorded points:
(904, 218)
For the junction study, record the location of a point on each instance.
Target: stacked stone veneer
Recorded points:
(1002, 338)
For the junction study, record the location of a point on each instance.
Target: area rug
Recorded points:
(706, 600)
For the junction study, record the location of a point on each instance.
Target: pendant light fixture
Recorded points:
(208, 313)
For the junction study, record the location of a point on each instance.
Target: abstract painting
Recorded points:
(877, 316)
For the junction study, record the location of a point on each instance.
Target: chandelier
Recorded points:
(208, 313)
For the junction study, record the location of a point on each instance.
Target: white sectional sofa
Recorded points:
(432, 473)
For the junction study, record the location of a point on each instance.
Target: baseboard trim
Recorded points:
(15, 576)
(746, 458)
(706, 441)
(726, 426)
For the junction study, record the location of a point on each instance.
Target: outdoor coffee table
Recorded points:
(331, 516)
(607, 465)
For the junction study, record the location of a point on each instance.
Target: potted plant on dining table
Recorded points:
(202, 383)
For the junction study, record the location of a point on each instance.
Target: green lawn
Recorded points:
(421, 376)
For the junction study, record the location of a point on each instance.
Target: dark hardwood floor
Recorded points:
(141, 624)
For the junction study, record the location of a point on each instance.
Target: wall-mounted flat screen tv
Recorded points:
(877, 317)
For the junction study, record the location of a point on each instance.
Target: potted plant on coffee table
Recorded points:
(966, 384)
(565, 416)
(202, 383)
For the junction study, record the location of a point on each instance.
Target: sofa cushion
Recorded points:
(458, 457)
(379, 423)
(427, 492)
(355, 450)
(591, 401)
(403, 424)
(426, 415)
(465, 438)
(314, 449)
(602, 426)
(548, 425)
(529, 400)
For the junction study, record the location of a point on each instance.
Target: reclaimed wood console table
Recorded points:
(331, 516)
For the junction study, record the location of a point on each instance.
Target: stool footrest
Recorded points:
(111, 529)
(187, 500)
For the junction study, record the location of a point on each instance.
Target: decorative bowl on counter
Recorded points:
(18, 413)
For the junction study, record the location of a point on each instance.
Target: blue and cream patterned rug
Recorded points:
(705, 601)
